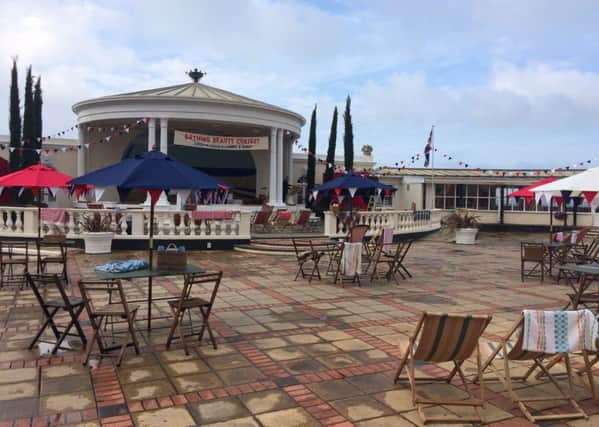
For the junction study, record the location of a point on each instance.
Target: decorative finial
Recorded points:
(196, 74)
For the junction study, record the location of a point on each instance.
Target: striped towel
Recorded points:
(555, 332)
(387, 236)
(54, 215)
(352, 258)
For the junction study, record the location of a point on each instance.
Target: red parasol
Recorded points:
(526, 193)
(35, 178)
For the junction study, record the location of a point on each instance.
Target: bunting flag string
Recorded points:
(113, 131)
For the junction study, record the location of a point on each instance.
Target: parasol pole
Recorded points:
(432, 169)
(150, 262)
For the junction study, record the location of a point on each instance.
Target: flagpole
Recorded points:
(433, 166)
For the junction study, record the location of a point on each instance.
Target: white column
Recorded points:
(272, 186)
(81, 152)
(151, 134)
(280, 167)
(290, 164)
(164, 135)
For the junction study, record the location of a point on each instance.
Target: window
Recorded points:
(469, 196)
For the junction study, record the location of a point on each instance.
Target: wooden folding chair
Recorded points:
(515, 352)
(534, 253)
(305, 254)
(57, 245)
(41, 285)
(442, 338)
(103, 308)
(13, 255)
(188, 302)
(393, 259)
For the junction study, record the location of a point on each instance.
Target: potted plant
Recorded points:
(465, 225)
(97, 234)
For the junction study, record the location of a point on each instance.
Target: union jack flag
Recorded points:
(428, 148)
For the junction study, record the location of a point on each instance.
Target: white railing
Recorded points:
(127, 224)
(402, 222)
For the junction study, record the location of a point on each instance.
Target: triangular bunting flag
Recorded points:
(154, 195)
(352, 191)
(98, 191)
(314, 194)
(589, 196)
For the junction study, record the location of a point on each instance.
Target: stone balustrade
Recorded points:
(127, 224)
(402, 222)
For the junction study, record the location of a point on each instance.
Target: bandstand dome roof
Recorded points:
(189, 101)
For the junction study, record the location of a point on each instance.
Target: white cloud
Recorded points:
(406, 64)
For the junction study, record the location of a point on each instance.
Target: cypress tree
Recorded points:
(330, 171)
(311, 173)
(348, 137)
(28, 123)
(14, 119)
(37, 114)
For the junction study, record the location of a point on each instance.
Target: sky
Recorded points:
(507, 83)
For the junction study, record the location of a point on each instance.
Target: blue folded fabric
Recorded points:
(122, 266)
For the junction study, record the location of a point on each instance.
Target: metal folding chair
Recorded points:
(56, 245)
(106, 303)
(41, 286)
(187, 302)
(12, 256)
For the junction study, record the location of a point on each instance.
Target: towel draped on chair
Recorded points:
(352, 258)
(54, 215)
(555, 332)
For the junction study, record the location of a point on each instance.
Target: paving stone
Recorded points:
(337, 361)
(372, 383)
(238, 422)
(335, 389)
(302, 339)
(186, 367)
(219, 410)
(20, 408)
(59, 371)
(18, 390)
(296, 417)
(148, 389)
(175, 416)
(68, 402)
(266, 401)
(361, 408)
(287, 353)
(302, 366)
(228, 361)
(352, 345)
(389, 421)
(140, 374)
(334, 335)
(17, 375)
(187, 383)
(177, 355)
(68, 384)
(240, 375)
(268, 343)
(222, 349)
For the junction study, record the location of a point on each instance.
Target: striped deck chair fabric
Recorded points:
(445, 338)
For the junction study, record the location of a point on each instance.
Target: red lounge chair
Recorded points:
(262, 217)
(281, 220)
(303, 220)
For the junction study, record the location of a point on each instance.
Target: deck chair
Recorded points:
(541, 360)
(281, 220)
(442, 338)
(532, 253)
(261, 218)
(51, 305)
(303, 220)
(106, 303)
(187, 302)
(305, 253)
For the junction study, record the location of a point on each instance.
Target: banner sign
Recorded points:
(214, 142)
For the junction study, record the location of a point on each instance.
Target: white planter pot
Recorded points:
(98, 243)
(466, 236)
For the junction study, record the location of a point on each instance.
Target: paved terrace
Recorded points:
(290, 353)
